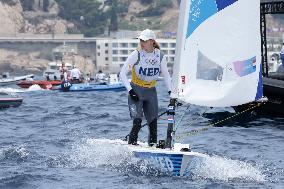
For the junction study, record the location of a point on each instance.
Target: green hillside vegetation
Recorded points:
(95, 21)
(92, 19)
(157, 8)
(150, 17)
(85, 14)
(9, 2)
(27, 5)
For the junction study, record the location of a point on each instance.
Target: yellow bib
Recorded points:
(141, 83)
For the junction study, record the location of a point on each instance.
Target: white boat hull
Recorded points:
(9, 81)
(170, 161)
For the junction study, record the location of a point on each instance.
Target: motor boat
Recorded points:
(7, 80)
(42, 83)
(53, 71)
(112, 84)
(9, 100)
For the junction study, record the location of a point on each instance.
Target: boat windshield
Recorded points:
(3, 94)
(53, 67)
(49, 72)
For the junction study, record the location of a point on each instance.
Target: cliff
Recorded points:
(11, 18)
(91, 17)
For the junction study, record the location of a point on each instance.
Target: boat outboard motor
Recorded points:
(5, 75)
(65, 86)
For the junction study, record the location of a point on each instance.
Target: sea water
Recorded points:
(50, 141)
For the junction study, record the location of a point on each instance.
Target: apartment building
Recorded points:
(112, 53)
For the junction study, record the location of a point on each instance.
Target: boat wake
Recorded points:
(13, 153)
(14, 90)
(95, 153)
(225, 169)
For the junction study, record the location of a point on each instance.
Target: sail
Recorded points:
(218, 53)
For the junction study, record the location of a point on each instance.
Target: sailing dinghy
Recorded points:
(218, 64)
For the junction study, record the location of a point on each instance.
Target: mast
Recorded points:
(180, 42)
(171, 123)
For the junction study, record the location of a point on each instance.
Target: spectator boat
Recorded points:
(9, 100)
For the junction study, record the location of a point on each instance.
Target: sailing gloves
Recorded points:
(133, 95)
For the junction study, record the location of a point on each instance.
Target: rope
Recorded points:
(179, 121)
(197, 118)
(126, 137)
(193, 132)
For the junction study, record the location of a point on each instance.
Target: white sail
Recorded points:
(218, 54)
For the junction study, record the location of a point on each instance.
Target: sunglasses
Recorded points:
(145, 41)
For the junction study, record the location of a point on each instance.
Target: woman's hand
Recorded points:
(133, 95)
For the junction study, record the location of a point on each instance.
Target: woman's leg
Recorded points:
(150, 108)
(153, 132)
(135, 109)
(134, 131)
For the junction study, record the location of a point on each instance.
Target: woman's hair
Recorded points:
(156, 45)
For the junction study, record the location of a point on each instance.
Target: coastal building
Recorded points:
(112, 53)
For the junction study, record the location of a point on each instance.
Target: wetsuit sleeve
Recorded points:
(165, 73)
(127, 66)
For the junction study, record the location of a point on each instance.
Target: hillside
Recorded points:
(20, 17)
(89, 17)
(157, 16)
(60, 16)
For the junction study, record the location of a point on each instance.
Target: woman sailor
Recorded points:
(146, 64)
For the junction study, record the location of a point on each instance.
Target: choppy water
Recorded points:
(49, 142)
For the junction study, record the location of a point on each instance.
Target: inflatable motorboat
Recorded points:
(9, 100)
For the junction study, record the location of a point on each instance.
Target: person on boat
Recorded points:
(101, 77)
(65, 75)
(63, 70)
(281, 67)
(87, 78)
(47, 77)
(75, 75)
(30, 78)
(146, 64)
(282, 55)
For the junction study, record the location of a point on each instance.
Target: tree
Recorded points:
(45, 5)
(94, 18)
(27, 4)
(146, 1)
(113, 16)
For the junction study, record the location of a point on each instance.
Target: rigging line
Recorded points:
(197, 117)
(179, 121)
(125, 138)
(193, 132)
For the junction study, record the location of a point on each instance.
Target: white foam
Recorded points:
(11, 90)
(220, 168)
(9, 152)
(114, 153)
(34, 87)
(96, 153)
(15, 90)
